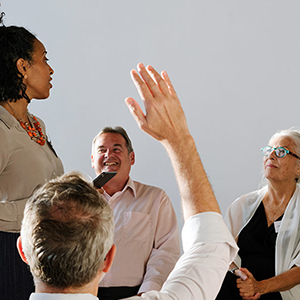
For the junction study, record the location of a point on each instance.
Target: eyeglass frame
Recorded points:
(274, 149)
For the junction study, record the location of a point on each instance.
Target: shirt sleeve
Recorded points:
(166, 248)
(208, 250)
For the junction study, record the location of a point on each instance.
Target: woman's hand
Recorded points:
(250, 288)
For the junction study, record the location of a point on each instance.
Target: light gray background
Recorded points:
(235, 65)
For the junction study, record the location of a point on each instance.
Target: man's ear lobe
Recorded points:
(109, 259)
(20, 249)
(132, 157)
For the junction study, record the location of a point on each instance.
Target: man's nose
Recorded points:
(107, 153)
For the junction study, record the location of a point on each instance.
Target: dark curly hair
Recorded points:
(15, 42)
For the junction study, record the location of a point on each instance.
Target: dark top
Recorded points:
(257, 246)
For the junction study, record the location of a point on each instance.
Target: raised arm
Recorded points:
(165, 121)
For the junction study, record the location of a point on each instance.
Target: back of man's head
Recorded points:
(66, 232)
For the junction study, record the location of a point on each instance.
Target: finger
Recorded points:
(141, 86)
(140, 117)
(152, 85)
(159, 80)
(248, 273)
(167, 80)
(136, 111)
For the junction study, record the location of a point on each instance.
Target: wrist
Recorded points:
(263, 287)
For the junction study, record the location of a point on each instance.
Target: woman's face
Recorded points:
(38, 73)
(282, 169)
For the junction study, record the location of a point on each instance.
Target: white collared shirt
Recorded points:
(146, 237)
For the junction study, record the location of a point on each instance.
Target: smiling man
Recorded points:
(146, 232)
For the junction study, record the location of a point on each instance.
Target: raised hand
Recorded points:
(164, 119)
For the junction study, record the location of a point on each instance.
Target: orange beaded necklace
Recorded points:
(35, 132)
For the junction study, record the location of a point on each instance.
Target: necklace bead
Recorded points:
(35, 132)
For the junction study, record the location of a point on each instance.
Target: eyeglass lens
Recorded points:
(279, 152)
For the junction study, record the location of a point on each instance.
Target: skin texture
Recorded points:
(38, 74)
(111, 155)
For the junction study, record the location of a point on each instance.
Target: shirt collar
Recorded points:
(7, 118)
(129, 185)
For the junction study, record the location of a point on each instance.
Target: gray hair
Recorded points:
(117, 130)
(294, 134)
(67, 230)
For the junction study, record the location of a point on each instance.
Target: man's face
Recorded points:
(111, 155)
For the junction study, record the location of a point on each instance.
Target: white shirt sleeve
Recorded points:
(209, 249)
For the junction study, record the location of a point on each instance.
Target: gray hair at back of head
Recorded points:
(67, 230)
(294, 134)
(117, 130)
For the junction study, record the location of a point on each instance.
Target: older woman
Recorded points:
(266, 224)
(27, 159)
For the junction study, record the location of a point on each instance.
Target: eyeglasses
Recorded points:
(279, 152)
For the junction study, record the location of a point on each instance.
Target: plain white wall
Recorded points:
(235, 65)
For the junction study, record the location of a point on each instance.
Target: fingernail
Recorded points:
(140, 65)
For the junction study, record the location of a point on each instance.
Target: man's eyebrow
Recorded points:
(118, 145)
(115, 145)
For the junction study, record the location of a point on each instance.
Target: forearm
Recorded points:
(191, 177)
(281, 282)
(165, 121)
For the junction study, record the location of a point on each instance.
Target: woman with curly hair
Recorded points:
(27, 159)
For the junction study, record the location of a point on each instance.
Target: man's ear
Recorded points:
(20, 249)
(132, 157)
(109, 259)
(92, 161)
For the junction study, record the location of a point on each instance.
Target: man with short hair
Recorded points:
(208, 245)
(67, 236)
(146, 231)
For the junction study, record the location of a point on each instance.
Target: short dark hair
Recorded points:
(67, 231)
(117, 130)
(15, 42)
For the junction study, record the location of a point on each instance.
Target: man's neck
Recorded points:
(90, 288)
(114, 186)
